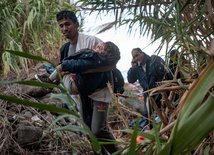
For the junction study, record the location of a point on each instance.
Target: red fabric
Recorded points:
(73, 77)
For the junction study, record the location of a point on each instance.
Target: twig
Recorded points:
(118, 105)
(166, 128)
(156, 108)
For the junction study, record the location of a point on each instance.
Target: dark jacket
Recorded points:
(155, 72)
(64, 51)
(83, 60)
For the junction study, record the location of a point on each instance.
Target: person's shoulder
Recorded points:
(89, 37)
(154, 57)
(86, 36)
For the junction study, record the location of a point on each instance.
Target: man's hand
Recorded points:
(134, 64)
(59, 68)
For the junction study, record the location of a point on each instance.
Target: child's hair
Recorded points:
(112, 52)
(66, 14)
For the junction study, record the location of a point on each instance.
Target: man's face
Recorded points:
(137, 56)
(68, 28)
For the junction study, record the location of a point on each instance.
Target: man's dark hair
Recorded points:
(137, 49)
(112, 52)
(66, 14)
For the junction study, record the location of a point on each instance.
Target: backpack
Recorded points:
(118, 81)
(160, 71)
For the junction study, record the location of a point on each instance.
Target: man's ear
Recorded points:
(76, 24)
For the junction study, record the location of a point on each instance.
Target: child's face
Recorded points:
(100, 48)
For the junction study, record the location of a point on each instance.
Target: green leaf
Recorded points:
(37, 105)
(197, 91)
(194, 121)
(72, 128)
(195, 128)
(133, 139)
(93, 139)
(30, 56)
(34, 83)
(157, 139)
(65, 98)
(207, 150)
(181, 84)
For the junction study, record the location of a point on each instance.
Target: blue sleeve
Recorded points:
(132, 75)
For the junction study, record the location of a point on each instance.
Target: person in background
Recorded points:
(147, 70)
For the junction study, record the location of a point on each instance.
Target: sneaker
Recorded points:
(43, 78)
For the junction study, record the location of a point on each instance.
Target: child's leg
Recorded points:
(70, 85)
(54, 77)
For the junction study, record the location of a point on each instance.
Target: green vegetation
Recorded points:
(30, 27)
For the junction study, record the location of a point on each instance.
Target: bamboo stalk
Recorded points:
(166, 128)
(114, 96)
(156, 108)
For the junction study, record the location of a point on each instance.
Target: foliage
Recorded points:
(195, 107)
(84, 128)
(182, 24)
(188, 27)
(29, 26)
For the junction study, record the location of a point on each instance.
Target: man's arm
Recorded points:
(85, 62)
(132, 75)
(100, 69)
